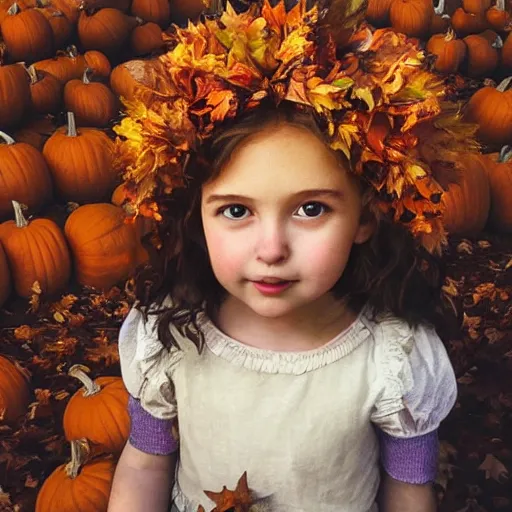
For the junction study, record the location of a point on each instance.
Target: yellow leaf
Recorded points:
(364, 94)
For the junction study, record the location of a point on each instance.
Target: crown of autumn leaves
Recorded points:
(371, 90)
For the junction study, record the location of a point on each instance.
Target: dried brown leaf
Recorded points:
(494, 469)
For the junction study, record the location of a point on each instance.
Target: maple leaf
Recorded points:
(494, 469)
(239, 500)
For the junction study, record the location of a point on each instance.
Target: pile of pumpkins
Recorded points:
(96, 423)
(475, 39)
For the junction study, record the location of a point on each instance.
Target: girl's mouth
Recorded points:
(272, 288)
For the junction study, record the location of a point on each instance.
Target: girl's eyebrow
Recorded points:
(325, 192)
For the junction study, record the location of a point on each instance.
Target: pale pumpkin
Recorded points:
(98, 411)
(5, 278)
(106, 249)
(500, 179)
(24, 176)
(14, 94)
(14, 391)
(468, 201)
(135, 75)
(45, 91)
(81, 162)
(78, 486)
(28, 35)
(449, 50)
(491, 109)
(92, 103)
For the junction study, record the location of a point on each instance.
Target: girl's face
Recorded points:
(283, 211)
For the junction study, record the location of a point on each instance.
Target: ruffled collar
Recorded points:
(272, 361)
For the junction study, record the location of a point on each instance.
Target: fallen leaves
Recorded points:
(238, 500)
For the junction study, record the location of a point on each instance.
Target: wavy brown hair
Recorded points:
(390, 273)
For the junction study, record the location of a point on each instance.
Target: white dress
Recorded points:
(301, 424)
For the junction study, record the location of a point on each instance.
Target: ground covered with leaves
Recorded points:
(82, 327)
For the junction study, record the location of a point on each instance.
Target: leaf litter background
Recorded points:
(476, 439)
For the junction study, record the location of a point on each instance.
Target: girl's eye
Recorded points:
(312, 209)
(235, 212)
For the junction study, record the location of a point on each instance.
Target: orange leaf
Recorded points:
(240, 499)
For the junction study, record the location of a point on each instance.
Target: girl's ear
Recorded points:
(365, 230)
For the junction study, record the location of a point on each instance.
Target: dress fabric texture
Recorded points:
(303, 425)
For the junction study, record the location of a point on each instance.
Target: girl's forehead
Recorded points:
(283, 157)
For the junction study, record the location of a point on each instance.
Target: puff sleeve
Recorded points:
(146, 368)
(418, 390)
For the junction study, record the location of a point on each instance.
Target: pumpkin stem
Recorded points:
(85, 78)
(139, 21)
(440, 7)
(72, 51)
(21, 221)
(500, 5)
(80, 451)
(505, 154)
(71, 125)
(450, 35)
(14, 9)
(498, 43)
(90, 387)
(504, 84)
(7, 138)
(32, 73)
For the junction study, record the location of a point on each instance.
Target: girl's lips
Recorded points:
(272, 288)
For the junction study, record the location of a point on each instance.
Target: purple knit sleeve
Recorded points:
(412, 460)
(149, 434)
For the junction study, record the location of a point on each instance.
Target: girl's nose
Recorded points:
(272, 245)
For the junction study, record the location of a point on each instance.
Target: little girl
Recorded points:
(282, 342)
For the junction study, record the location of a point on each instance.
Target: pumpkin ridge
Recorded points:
(112, 419)
(48, 231)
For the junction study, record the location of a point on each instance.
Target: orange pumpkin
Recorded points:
(78, 486)
(5, 282)
(106, 30)
(64, 67)
(449, 50)
(482, 58)
(467, 202)
(36, 132)
(81, 162)
(99, 64)
(134, 75)
(45, 91)
(440, 21)
(106, 249)
(498, 17)
(491, 109)
(14, 94)
(70, 8)
(146, 38)
(465, 23)
(157, 11)
(476, 6)
(500, 179)
(188, 9)
(377, 12)
(93, 104)
(36, 251)
(98, 411)
(120, 5)
(62, 28)
(506, 53)
(24, 176)
(14, 391)
(411, 17)
(27, 35)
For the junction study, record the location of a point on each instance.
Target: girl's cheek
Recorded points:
(227, 253)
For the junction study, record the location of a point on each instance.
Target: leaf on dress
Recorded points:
(238, 500)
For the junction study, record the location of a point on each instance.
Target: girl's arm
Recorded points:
(142, 481)
(396, 496)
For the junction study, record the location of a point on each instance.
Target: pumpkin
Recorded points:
(62, 28)
(465, 23)
(45, 91)
(36, 251)
(98, 411)
(36, 132)
(476, 6)
(440, 21)
(157, 11)
(500, 179)
(64, 67)
(146, 38)
(188, 9)
(134, 75)
(81, 162)
(468, 201)
(14, 95)
(14, 391)
(506, 53)
(106, 30)
(377, 12)
(98, 63)
(491, 109)
(411, 17)
(93, 104)
(482, 58)
(120, 5)
(5, 285)
(491, 36)
(70, 8)
(498, 18)
(28, 35)
(78, 486)
(105, 248)
(24, 176)
(450, 51)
